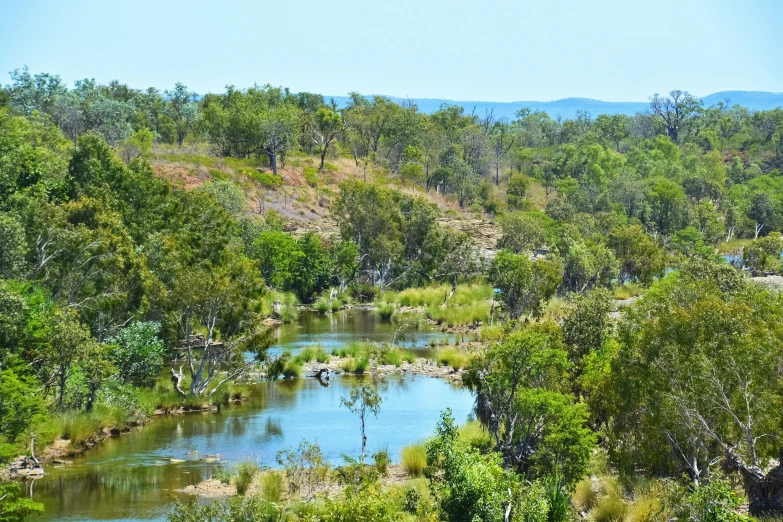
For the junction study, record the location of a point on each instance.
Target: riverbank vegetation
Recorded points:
(149, 237)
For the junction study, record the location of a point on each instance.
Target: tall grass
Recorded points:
(356, 364)
(244, 477)
(385, 311)
(474, 434)
(271, 484)
(468, 314)
(450, 357)
(413, 459)
(431, 296)
(396, 356)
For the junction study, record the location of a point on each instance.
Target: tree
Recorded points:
(20, 403)
(137, 353)
(363, 400)
(182, 110)
(518, 386)
(524, 285)
(612, 127)
(13, 253)
(640, 257)
(525, 231)
(763, 212)
(328, 125)
(587, 324)
(225, 301)
(345, 261)
(673, 112)
(696, 372)
(71, 344)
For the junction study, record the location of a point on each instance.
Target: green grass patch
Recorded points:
(356, 364)
(396, 356)
(474, 314)
(264, 179)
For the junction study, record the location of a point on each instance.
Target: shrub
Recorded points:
(336, 305)
(382, 461)
(271, 484)
(245, 473)
(413, 459)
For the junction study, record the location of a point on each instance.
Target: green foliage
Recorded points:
(14, 507)
(138, 353)
(714, 502)
(469, 486)
(305, 467)
(299, 265)
(696, 346)
(520, 383)
(524, 285)
(451, 357)
(385, 311)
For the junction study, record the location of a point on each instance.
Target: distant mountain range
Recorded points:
(568, 107)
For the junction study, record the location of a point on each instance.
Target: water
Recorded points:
(337, 329)
(131, 478)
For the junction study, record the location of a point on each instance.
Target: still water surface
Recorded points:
(130, 477)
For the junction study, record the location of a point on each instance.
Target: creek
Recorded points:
(131, 477)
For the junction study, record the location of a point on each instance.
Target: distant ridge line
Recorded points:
(568, 107)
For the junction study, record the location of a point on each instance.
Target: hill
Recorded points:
(568, 107)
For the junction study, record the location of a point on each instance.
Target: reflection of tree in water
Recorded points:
(109, 491)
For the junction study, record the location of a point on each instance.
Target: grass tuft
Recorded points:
(414, 459)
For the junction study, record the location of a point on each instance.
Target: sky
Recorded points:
(489, 50)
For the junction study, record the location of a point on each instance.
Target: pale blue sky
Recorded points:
(615, 50)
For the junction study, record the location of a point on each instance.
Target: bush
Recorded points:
(413, 459)
(245, 473)
(364, 292)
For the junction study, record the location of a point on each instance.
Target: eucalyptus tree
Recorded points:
(674, 112)
(697, 369)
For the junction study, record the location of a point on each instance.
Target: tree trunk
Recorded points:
(273, 161)
(764, 492)
(323, 155)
